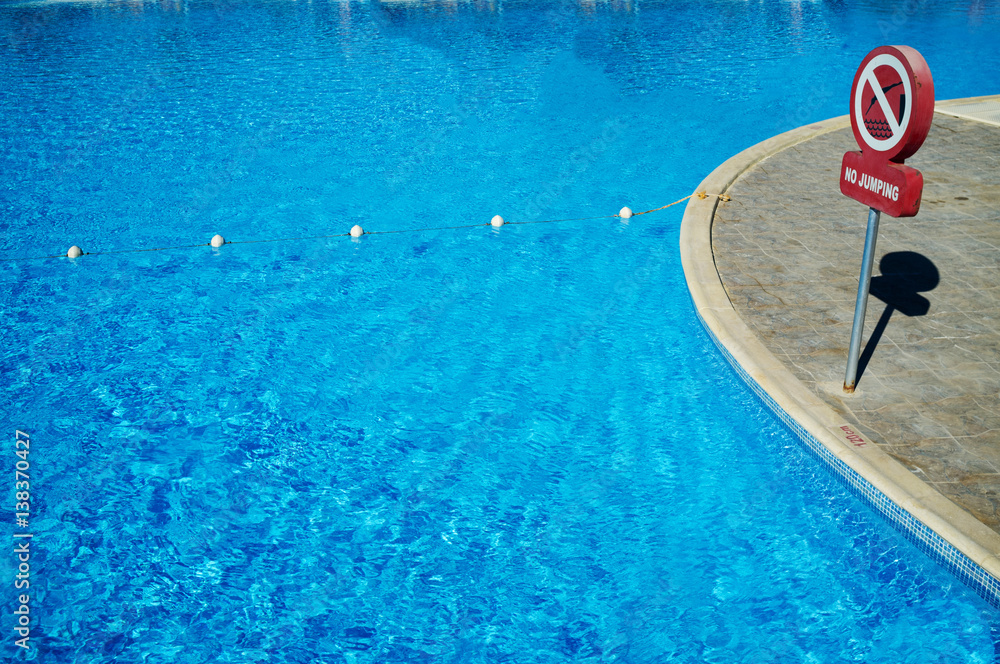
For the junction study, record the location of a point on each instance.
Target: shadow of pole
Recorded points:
(904, 275)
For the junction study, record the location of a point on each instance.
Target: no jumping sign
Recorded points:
(892, 105)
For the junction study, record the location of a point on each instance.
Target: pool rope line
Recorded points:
(356, 232)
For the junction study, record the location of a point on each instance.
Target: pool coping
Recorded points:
(939, 527)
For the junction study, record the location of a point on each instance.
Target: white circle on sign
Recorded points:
(868, 75)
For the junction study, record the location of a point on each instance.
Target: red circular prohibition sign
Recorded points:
(892, 102)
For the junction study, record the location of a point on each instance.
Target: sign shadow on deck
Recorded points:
(904, 275)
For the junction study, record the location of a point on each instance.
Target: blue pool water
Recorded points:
(471, 445)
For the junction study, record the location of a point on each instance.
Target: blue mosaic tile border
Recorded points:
(925, 539)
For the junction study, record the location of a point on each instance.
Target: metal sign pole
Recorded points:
(861, 305)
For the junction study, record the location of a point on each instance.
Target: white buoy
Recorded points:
(218, 241)
(357, 231)
(497, 221)
(626, 213)
(74, 251)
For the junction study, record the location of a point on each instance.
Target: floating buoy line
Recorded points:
(357, 231)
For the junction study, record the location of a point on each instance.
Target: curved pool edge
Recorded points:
(935, 524)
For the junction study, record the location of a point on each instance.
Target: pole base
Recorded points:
(848, 388)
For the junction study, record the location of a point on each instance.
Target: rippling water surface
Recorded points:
(468, 445)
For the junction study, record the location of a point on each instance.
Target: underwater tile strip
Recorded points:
(915, 531)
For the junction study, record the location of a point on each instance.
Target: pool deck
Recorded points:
(774, 273)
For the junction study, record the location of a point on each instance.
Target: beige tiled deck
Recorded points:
(787, 253)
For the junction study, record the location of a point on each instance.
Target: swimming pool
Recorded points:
(479, 444)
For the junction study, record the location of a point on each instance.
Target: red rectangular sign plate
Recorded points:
(890, 188)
